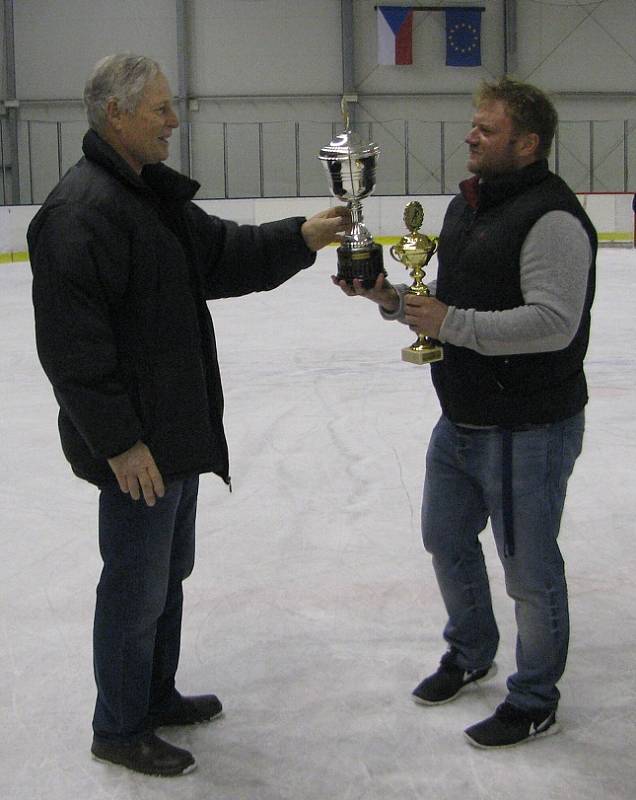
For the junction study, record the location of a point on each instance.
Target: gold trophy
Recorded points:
(414, 251)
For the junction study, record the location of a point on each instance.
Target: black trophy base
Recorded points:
(363, 264)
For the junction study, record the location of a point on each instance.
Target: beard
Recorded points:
(493, 165)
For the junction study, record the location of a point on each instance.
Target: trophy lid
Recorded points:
(348, 145)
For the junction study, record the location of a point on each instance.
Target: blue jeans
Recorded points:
(462, 490)
(147, 553)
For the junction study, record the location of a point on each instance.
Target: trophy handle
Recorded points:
(392, 251)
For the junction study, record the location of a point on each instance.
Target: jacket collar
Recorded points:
(155, 178)
(482, 194)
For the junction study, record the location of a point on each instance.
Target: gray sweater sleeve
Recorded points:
(555, 262)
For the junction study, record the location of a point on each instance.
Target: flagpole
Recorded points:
(346, 16)
(348, 84)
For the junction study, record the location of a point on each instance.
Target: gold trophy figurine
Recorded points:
(414, 251)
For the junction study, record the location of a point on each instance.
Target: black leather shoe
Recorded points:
(189, 711)
(149, 755)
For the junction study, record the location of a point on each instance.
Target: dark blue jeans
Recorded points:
(462, 490)
(147, 553)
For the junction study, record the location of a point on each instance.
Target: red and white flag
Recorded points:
(395, 35)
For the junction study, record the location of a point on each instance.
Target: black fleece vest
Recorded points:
(479, 252)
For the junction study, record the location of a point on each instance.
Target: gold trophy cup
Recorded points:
(414, 251)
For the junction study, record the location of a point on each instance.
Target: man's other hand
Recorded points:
(382, 292)
(424, 314)
(137, 474)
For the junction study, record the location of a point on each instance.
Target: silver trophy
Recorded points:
(350, 166)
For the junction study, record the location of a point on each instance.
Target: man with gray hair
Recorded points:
(123, 262)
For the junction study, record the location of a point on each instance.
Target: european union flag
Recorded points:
(463, 37)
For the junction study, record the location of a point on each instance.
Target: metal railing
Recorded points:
(278, 159)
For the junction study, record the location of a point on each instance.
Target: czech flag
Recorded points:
(395, 35)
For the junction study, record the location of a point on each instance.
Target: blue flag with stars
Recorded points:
(463, 37)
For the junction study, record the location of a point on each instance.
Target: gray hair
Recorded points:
(122, 77)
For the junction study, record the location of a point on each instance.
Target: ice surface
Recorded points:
(313, 609)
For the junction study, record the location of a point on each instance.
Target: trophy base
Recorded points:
(422, 355)
(363, 264)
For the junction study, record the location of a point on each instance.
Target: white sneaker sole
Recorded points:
(554, 728)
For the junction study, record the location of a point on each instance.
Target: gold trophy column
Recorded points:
(414, 251)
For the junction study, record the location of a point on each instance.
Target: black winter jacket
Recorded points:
(122, 267)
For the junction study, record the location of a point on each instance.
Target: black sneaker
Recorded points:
(189, 711)
(509, 726)
(449, 680)
(149, 755)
